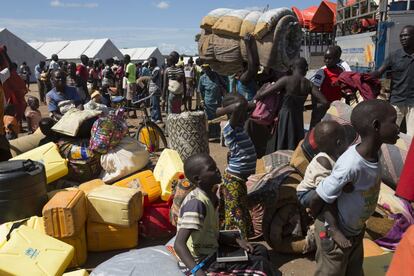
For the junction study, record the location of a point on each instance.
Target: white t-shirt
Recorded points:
(315, 173)
(356, 207)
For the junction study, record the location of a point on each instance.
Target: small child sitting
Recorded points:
(45, 126)
(33, 115)
(11, 126)
(242, 158)
(198, 235)
(331, 141)
(375, 122)
(96, 103)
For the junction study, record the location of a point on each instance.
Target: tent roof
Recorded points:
(139, 53)
(72, 50)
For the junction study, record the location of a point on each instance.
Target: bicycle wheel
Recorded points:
(151, 135)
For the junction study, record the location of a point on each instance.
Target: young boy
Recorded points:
(331, 140)
(198, 236)
(241, 164)
(325, 79)
(45, 126)
(33, 115)
(11, 126)
(375, 121)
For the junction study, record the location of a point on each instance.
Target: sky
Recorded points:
(168, 25)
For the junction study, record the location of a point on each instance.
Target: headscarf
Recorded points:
(14, 88)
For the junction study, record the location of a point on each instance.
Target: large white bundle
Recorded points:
(126, 158)
(268, 21)
(210, 19)
(230, 23)
(249, 23)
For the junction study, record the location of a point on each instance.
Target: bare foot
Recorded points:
(339, 238)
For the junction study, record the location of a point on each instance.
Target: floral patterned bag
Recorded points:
(108, 131)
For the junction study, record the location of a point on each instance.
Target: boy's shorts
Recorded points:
(305, 197)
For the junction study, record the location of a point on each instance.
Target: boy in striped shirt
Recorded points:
(242, 158)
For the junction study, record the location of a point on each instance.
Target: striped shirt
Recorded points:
(198, 213)
(243, 157)
(174, 73)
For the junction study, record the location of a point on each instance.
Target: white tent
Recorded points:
(143, 54)
(20, 51)
(72, 50)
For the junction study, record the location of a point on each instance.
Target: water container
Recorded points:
(169, 167)
(79, 244)
(145, 181)
(105, 237)
(22, 189)
(115, 205)
(29, 252)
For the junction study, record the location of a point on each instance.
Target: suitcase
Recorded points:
(145, 181)
(115, 205)
(80, 272)
(55, 166)
(65, 214)
(79, 244)
(29, 252)
(90, 185)
(35, 223)
(105, 237)
(169, 167)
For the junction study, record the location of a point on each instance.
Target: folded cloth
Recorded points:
(368, 86)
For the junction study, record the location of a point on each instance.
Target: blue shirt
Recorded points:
(145, 72)
(248, 91)
(356, 207)
(243, 157)
(53, 97)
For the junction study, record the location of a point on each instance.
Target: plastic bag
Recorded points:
(149, 261)
(128, 157)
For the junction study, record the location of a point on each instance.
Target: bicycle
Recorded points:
(148, 132)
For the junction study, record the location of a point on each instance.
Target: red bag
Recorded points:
(267, 109)
(155, 222)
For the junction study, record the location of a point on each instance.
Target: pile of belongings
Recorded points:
(287, 227)
(277, 33)
(93, 217)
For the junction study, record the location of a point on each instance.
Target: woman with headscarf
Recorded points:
(14, 87)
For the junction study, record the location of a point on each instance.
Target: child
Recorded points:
(375, 121)
(45, 126)
(33, 115)
(331, 141)
(296, 89)
(96, 103)
(198, 236)
(241, 164)
(11, 126)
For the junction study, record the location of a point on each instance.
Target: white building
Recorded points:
(143, 54)
(19, 51)
(72, 50)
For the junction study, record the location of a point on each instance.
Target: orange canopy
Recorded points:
(320, 19)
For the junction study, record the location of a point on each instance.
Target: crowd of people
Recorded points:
(340, 186)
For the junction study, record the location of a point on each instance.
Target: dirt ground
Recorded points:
(288, 264)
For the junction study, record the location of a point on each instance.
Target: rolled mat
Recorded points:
(188, 133)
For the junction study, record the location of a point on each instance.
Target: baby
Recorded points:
(331, 140)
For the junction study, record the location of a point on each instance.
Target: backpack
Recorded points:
(267, 109)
